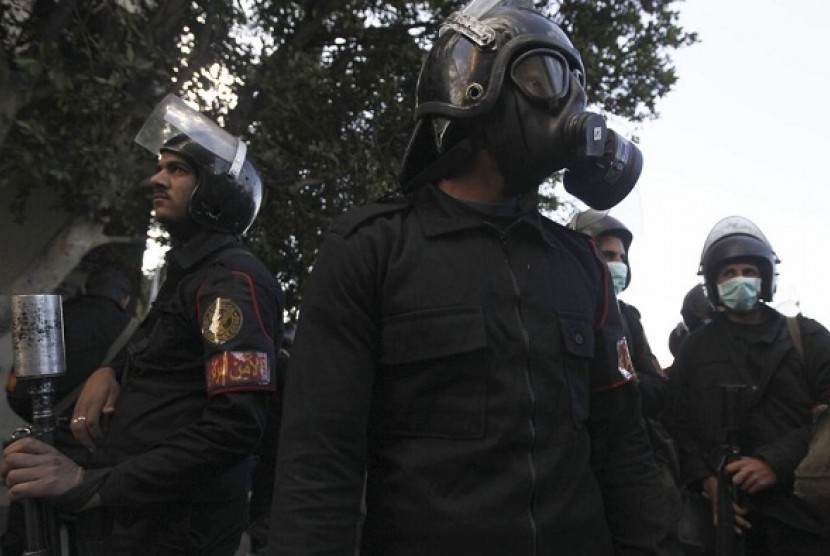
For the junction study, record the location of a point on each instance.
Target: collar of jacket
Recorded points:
(769, 333)
(441, 214)
(199, 247)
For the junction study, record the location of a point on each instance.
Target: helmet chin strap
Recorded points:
(458, 154)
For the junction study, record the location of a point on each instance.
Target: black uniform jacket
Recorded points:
(470, 372)
(652, 379)
(781, 388)
(192, 405)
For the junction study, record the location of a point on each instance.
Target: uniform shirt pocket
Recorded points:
(166, 340)
(578, 344)
(432, 380)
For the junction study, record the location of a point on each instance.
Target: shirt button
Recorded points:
(578, 339)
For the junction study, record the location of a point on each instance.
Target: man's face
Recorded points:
(612, 249)
(173, 185)
(737, 269)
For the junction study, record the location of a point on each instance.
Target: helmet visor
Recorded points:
(172, 117)
(732, 226)
(542, 75)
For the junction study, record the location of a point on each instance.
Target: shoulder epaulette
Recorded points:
(634, 310)
(347, 223)
(570, 231)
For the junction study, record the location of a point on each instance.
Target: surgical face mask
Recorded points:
(619, 275)
(740, 294)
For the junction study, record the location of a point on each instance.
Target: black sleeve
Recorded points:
(321, 461)
(787, 451)
(652, 379)
(681, 423)
(637, 508)
(816, 341)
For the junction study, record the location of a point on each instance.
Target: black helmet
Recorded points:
(737, 239)
(677, 336)
(696, 309)
(228, 191)
(505, 78)
(463, 76)
(599, 224)
(221, 201)
(108, 282)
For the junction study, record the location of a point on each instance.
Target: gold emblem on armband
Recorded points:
(222, 321)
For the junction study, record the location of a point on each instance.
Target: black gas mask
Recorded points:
(540, 126)
(507, 79)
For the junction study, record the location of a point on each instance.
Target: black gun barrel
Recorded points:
(727, 541)
(38, 349)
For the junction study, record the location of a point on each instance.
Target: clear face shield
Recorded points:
(477, 8)
(467, 20)
(172, 117)
(732, 226)
(587, 219)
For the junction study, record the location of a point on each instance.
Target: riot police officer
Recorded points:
(186, 405)
(748, 343)
(457, 353)
(613, 241)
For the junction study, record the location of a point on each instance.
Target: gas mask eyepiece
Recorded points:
(542, 75)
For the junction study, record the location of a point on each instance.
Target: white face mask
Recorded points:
(619, 275)
(740, 294)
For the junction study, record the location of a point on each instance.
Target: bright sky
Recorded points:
(745, 131)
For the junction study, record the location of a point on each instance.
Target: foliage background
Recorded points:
(322, 90)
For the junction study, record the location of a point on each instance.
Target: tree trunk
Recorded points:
(60, 256)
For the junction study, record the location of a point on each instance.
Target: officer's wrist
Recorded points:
(84, 495)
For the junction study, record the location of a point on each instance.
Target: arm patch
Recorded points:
(234, 371)
(222, 321)
(624, 364)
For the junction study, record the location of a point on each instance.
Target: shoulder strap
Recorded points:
(225, 253)
(795, 334)
(69, 399)
(352, 220)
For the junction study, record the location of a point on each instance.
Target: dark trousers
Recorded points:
(770, 537)
(203, 528)
(197, 528)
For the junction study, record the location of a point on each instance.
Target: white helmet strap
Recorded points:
(238, 159)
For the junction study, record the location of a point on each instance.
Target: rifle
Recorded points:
(727, 541)
(37, 343)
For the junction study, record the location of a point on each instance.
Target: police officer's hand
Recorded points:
(752, 474)
(96, 400)
(710, 487)
(34, 469)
